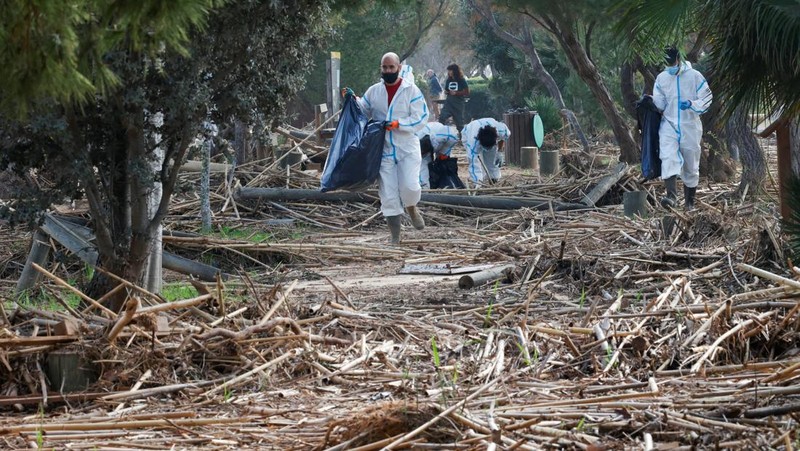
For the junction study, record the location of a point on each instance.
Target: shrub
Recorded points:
(551, 119)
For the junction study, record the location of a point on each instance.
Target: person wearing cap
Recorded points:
(682, 94)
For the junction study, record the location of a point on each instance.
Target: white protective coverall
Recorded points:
(443, 138)
(479, 156)
(407, 73)
(398, 183)
(680, 131)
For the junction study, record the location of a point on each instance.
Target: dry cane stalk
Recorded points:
(74, 290)
(696, 367)
(453, 408)
(245, 376)
(127, 316)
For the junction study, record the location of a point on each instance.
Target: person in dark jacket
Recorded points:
(435, 92)
(457, 91)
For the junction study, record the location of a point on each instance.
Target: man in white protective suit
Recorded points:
(682, 94)
(436, 141)
(484, 140)
(400, 104)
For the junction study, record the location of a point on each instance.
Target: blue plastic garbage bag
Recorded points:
(649, 120)
(354, 159)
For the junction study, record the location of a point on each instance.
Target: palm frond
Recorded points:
(646, 27)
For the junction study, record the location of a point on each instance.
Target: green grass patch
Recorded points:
(178, 291)
(245, 234)
(45, 300)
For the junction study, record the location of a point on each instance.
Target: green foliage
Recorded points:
(551, 119)
(483, 102)
(178, 291)
(58, 50)
(435, 352)
(753, 46)
(245, 234)
(247, 62)
(364, 32)
(40, 298)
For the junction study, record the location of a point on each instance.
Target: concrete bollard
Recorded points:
(548, 162)
(635, 203)
(529, 158)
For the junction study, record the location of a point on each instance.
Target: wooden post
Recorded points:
(548, 162)
(333, 65)
(783, 135)
(635, 203)
(40, 249)
(319, 117)
(68, 371)
(529, 158)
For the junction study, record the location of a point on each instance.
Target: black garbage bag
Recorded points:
(648, 121)
(444, 174)
(354, 159)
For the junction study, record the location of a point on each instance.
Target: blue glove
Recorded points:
(347, 93)
(685, 104)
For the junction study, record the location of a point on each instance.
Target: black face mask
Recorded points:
(390, 77)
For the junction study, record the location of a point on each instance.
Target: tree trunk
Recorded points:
(629, 150)
(205, 188)
(240, 141)
(552, 88)
(794, 149)
(754, 166)
(627, 77)
(525, 45)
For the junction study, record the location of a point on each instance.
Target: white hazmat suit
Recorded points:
(481, 157)
(680, 131)
(443, 138)
(398, 184)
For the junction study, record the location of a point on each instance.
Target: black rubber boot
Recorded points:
(416, 217)
(671, 198)
(394, 228)
(688, 197)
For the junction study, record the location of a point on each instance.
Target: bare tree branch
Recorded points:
(422, 26)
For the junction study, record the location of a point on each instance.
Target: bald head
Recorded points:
(390, 68)
(390, 57)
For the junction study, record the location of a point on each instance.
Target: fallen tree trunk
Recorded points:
(77, 238)
(488, 202)
(605, 184)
